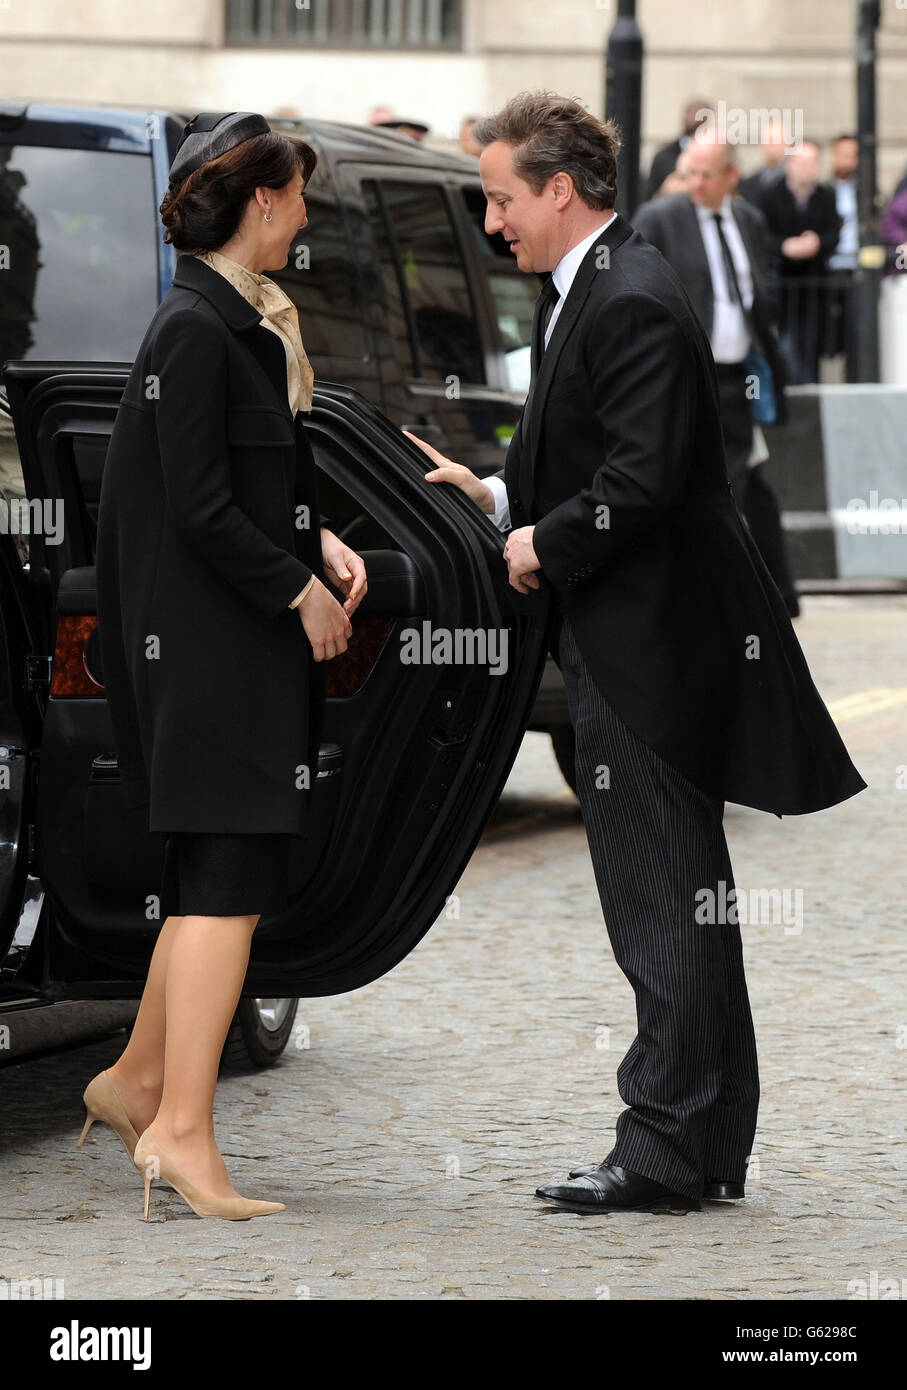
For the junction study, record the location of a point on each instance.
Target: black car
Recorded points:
(414, 753)
(401, 292)
(405, 300)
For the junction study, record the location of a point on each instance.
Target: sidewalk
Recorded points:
(409, 1129)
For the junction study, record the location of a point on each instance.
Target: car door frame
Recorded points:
(487, 750)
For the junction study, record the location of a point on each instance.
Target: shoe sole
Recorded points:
(706, 1196)
(677, 1205)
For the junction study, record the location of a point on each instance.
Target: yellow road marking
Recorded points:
(858, 705)
(865, 702)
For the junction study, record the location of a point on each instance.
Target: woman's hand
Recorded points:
(326, 625)
(446, 471)
(345, 569)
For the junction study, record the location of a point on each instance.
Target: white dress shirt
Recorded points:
(563, 276)
(845, 255)
(730, 337)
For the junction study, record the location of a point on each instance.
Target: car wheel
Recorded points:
(259, 1032)
(564, 744)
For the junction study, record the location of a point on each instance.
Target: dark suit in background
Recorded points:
(663, 163)
(659, 589)
(754, 185)
(803, 306)
(675, 227)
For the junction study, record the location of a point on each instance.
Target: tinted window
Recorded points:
(321, 279)
(425, 280)
(513, 293)
(82, 275)
(12, 490)
(69, 516)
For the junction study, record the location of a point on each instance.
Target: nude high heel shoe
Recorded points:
(153, 1162)
(103, 1103)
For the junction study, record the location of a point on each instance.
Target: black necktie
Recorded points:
(544, 308)
(733, 285)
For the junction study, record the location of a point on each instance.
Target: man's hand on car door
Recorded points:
(446, 471)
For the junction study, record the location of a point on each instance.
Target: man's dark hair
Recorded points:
(553, 134)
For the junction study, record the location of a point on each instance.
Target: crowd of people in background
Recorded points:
(768, 261)
(813, 227)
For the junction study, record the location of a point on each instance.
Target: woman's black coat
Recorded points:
(208, 527)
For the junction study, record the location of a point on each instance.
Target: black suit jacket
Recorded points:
(199, 547)
(619, 461)
(754, 185)
(672, 224)
(785, 219)
(663, 162)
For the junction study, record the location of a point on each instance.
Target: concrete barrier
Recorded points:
(839, 469)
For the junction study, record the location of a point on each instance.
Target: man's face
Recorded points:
(709, 175)
(774, 147)
(804, 167)
(845, 156)
(695, 113)
(528, 221)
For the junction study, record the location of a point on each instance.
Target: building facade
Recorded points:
(438, 60)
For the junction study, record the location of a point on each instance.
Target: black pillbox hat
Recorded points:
(209, 135)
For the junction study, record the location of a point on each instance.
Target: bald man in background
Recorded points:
(719, 247)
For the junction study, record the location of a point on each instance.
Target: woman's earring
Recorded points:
(267, 217)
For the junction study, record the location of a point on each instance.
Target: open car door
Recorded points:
(424, 716)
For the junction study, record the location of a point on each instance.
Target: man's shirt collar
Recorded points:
(566, 268)
(726, 209)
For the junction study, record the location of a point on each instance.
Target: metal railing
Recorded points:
(817, 322)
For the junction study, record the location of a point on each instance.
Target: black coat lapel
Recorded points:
(700, 272)
(234, 309)
(590, 266)
(240, 316)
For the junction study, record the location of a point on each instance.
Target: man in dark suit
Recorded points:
(664, 161)
(774, 147)
(686, 683)
(804, 225)
(718, 244)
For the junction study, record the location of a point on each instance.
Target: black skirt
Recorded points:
(214, 875)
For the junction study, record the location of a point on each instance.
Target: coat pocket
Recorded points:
(259, 427)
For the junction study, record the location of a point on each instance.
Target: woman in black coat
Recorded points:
(214, 619)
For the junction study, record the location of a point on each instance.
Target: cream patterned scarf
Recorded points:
(279, 314)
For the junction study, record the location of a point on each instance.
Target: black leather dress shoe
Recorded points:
(712, 1191)
(609, 1188)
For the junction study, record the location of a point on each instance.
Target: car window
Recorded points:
(81, 231)
(13, 507)
(321, 279)
(513, 292)
(78, 467)
(429, 303)
(69, 515)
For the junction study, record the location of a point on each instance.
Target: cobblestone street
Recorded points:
(409, 1128)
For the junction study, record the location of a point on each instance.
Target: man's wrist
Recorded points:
(500, 513)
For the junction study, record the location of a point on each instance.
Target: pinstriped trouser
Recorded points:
(690, 1077)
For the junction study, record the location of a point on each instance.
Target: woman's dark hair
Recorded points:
(551, 133)
(204, 210)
